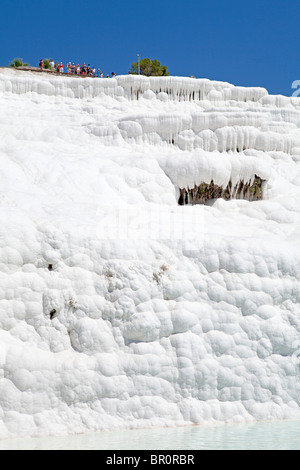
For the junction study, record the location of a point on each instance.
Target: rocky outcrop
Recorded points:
(251, 191)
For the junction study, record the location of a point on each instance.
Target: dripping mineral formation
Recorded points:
(149, 253)
(252, 191)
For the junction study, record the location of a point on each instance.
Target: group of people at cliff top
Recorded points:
(71, 68)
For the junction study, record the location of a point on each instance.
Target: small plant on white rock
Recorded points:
(73, 303)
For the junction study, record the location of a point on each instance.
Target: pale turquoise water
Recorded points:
(282, 435)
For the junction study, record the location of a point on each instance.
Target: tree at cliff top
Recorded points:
(149, 68)
(47, 65)
(18, 63)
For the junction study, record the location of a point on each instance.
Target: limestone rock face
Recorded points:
(120, 307)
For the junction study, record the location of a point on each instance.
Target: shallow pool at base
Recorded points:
(279, 435)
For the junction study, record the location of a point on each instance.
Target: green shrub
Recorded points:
(47, 64)
(148, 67)
(17, 62)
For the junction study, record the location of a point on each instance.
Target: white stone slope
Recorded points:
(118, 307)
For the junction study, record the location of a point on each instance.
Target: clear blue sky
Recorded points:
(249, 43)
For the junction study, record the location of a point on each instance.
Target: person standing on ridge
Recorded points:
(41, 64)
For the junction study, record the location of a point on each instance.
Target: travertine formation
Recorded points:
(120, 307)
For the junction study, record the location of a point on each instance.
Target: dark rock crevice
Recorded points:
(250, 191)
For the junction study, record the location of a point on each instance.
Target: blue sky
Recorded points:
(249, 43)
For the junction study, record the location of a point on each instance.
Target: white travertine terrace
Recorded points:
(119, 308)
